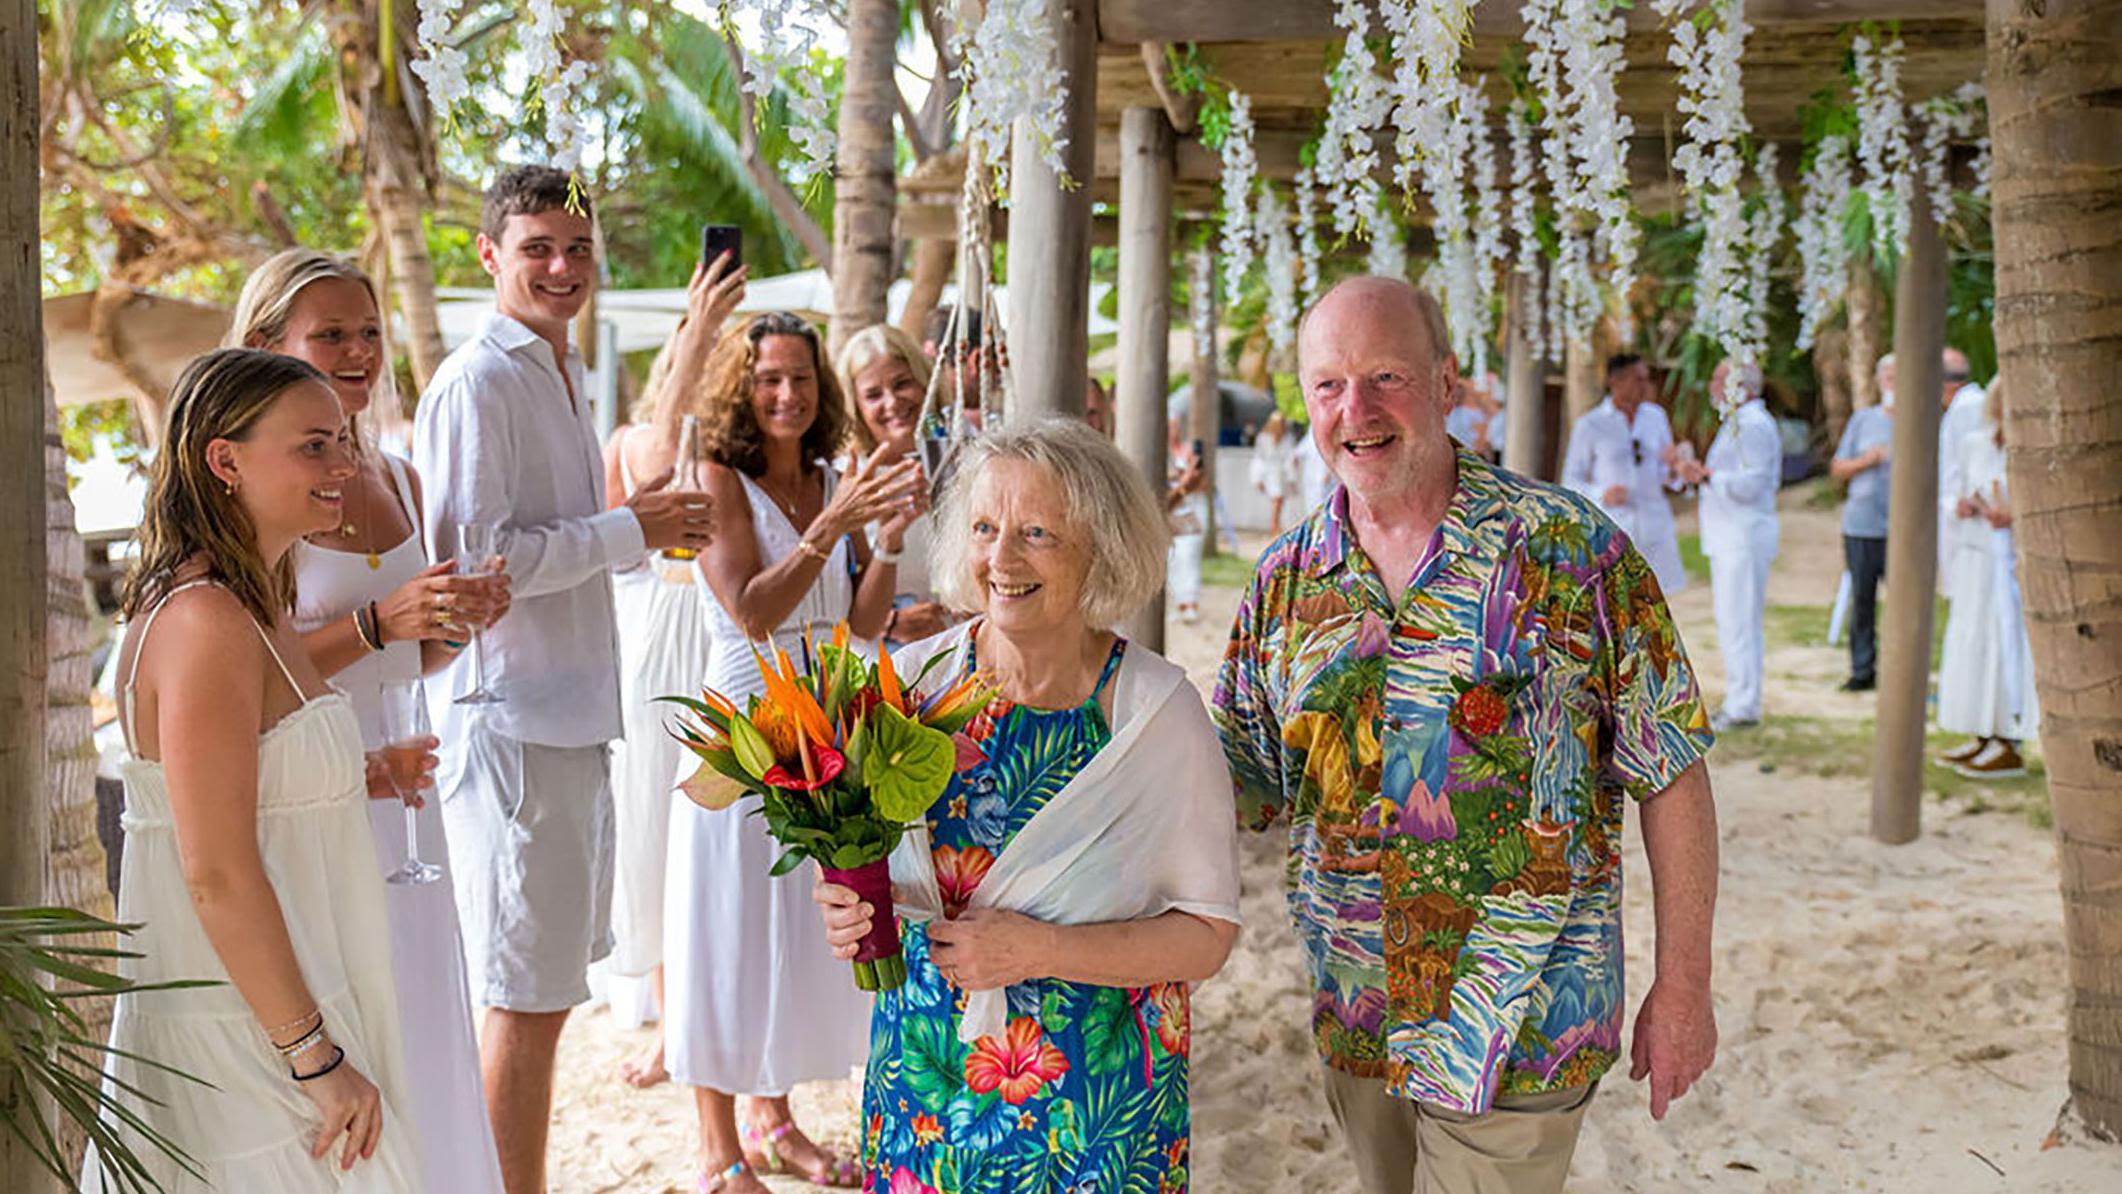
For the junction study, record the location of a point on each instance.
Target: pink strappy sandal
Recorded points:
(713, 1183)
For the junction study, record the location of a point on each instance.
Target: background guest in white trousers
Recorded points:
(1621, 456)
(1985, 681)
(1738, 482)
(663, 650)
(504, 438)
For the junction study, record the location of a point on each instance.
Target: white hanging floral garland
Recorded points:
(1488, 251)
(1307, 239)
(1278, 250)
(1882, 142)
(1587, 165)
(1524, 219)
(1713, 99)
(789, 30)
(441, 65)
(1388, 253)
(1240, 168)
(1010, 68)
(1947, 118)
(1823, 252)
(1764, 237)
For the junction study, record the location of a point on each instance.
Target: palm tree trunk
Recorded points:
(2054, 71)
(1831, 371)
(1867, 329)
(865, 186)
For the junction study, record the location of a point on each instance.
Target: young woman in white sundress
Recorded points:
(755, 1001)
(373, 611)
(661, 608)
(248, 858)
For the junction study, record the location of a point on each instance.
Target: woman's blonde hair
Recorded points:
(190, 512)
(729, 431)
(267, 303)
(1106, 498)
(874, 343)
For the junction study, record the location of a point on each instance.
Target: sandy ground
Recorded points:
(1891, 1017)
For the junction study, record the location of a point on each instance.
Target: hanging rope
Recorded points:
(944, 423)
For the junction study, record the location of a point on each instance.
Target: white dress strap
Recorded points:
(401, 484)
(132, 670)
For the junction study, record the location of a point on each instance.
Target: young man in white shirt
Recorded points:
(1621, 456)
(504, 437)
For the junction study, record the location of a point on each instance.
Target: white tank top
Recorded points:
(330, 584)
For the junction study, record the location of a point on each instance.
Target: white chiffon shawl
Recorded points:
(1148, 825)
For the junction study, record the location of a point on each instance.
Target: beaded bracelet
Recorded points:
(804, 546)
(303, 1043)
(338, 1058)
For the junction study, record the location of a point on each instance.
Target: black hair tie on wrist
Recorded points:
(338, 1059)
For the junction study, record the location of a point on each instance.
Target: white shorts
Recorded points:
(530, 848)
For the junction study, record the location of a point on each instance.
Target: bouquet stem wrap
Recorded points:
(879, 965)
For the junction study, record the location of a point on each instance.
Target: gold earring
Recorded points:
(229, 487)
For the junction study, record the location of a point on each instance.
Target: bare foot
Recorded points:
(783, 1148)
(645, 1069)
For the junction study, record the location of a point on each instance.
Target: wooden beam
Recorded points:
(1912, 538)
(1180, 108)
(24, 840)
(1138, 406)
(1049, 241)
(1290, 20)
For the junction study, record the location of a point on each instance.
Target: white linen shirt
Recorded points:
(1739, 501)
(498, 440)
(1957, 534)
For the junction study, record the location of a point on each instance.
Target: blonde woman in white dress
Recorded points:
(661, 609)
(373, 611)
(885, 376)
(755, 1001)
(248, 859)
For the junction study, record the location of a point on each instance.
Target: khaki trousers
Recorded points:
(1522, 1146)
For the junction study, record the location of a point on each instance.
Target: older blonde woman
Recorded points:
(886, 377)
(1075, 880)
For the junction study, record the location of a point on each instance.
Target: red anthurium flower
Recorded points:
(826, 763)
(1018, 1067)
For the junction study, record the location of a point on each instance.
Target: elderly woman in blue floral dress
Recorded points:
(1071, 882)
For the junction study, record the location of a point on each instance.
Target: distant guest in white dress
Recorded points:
(1985, 676)
(1964, 403)
(1274, 467)
(885, 376)
(661, 607)
(1621, 456)
(373, 611)
(248, 859)
(1738, 481)
(755, 1000)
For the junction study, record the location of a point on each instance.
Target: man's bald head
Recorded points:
(1373, 301)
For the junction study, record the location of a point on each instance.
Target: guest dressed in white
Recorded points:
(372, 611)
(756, 1002)
(1985, 677)
(1965, 404)
(1738, 482)
(504, 440)
(1621, 456)
(885, 376)
(248, 859)
(661, 605)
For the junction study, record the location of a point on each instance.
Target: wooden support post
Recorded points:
(24, 840)
(1146, 157)
(1523, 385)
(1205, 405)
(1912, 536)
(865, 175)
(1049, 237)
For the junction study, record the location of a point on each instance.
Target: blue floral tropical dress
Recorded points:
(1086, 1092)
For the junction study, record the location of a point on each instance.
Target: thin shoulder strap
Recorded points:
(402, 484)
(147, 624)
(1112, 667)
(626, 471)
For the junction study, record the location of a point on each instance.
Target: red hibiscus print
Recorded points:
(1479, 712)
(1174, 1019)
(958, 873)
(1019, 1066)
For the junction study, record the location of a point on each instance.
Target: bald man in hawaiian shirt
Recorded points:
(1446, 681)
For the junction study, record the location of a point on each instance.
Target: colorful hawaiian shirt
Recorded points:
(1085, 1092)
(1449, 767)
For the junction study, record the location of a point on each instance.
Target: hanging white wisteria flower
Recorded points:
(1427, 36)
(1713, 98)
(1388, 253)
(1764, 236)
(1488, 219)
(543, 25)
(1524, 218)
(1357, 103)
(1278, 251)
(1947, 118)
(1010, 68)
(1307, 239)
(1823, 253)
(1587, 162)
(1240, 167)
(1882, 142)
(1970, 96)
(788, 30)
(441, 65)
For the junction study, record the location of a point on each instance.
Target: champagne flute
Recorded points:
(475, 552)
(405, 733)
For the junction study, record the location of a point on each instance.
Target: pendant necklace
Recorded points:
(346, 527)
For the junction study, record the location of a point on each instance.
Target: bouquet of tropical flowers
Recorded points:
(843, 757)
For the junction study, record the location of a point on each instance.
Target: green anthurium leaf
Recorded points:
(786, 863)
(857, 746)
(907, 764)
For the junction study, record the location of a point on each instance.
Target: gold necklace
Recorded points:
(346, 526)
(788, 507)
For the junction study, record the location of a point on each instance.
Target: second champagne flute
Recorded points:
(475, 553)
(405, 734)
